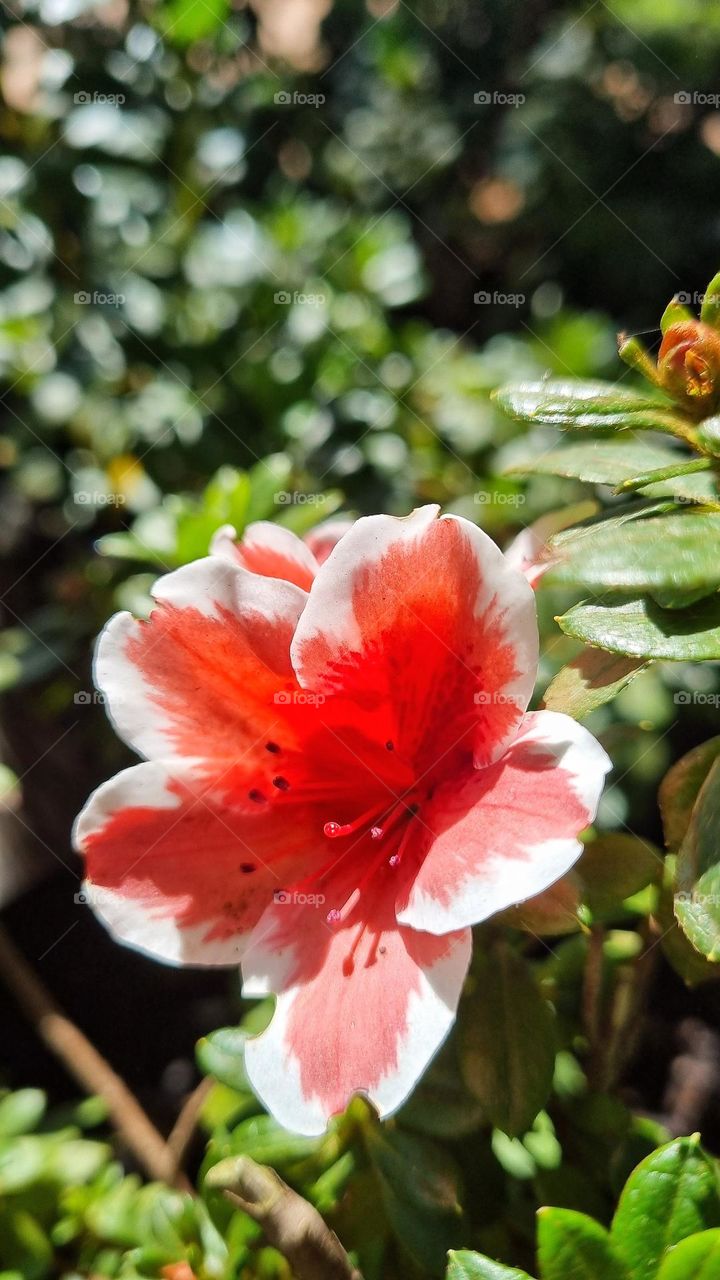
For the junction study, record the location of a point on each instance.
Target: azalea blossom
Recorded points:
(276, 552)
(338, 783)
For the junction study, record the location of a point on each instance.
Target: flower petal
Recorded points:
(361, 1008)
(509, 831)
(323, 538)
(201, 674)
(269, 550)
(424, 620)
(181, 864)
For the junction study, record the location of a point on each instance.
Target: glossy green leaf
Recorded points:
(572, 1246)
(680, 788)
(420, 1189)
(615, 867)
(222, 1055)
(697, 1258)
(641, 628)
(464, 1265)
(693, 968)
(701, 487)
(697, 900)
(673, 1193)
(678, 551)
(507, 1041)
(593, 678)
(599, 461)
(584, 405)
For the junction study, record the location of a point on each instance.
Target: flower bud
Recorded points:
(688, 366)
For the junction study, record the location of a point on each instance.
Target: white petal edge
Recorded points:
(504, 882)
(274, 1073)
(205, 585)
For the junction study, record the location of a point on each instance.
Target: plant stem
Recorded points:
(290, 1224)
(89, 1068)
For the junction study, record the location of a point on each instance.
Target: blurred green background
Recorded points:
(268, 260)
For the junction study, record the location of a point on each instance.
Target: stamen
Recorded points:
(334, 829)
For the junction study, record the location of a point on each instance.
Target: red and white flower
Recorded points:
(276, 552)
(339, 783)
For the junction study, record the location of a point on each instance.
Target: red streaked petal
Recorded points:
(507, 832)
(423, 620)
(323, 538)
(181, 864)
(351, 1016)
(200, 676)
(269, 550)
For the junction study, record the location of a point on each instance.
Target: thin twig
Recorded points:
(89, 1068)
(292, 1225)
(181, 1134)
(592, 996)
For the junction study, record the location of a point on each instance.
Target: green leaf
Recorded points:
(697, 1258)
(184, 21)
(589, 681)
(420, 1189)
(675, 313)
(677, 470)
(697, 902)
(599, 461)
(464, 1265)
(710, 309)
(572, 1246)
(222, 1055)
(615, 867)
(21, 1112)
(548, 914)
(680, 788)
(672, 1194)
(507, 1041)
(24, 1245)
(681, 954)
(641, 628)
(441, 1106)
(586, 405)
(267, 1142)
(678, 551)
